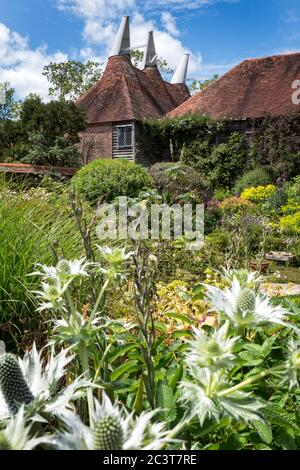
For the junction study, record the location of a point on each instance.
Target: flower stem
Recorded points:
(83, 354)
(100, 298)
(250, 380)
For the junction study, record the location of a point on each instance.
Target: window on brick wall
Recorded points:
(125, 136)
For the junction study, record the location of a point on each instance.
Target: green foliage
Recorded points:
(44, 134)
(32, 222)
(62, 153)
(170, 136)
(175, 179)
(220, 164)
(53, 119)
(108, 179)
(252, 178)
(71, 79)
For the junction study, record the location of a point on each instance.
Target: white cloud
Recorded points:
(21, 66)
(183, 4)
(101, 20)
(169, 23)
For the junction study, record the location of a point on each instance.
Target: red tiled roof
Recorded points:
(126, 93)
(254, 88)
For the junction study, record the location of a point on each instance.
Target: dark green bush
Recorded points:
(220, 164)
(108, 179)
(252, 178)
(176, 179)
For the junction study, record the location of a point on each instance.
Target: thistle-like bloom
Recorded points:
(206, 396)
(214, 351)
(17, 436)
(65, 270)
(51, 296)
(40, 380)
(292, 372)
(243, 307)
(115, 429)
(116, 258)
(245, 278)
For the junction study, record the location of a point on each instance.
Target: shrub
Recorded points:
(109, 179)
(220, 164)
(252, 178)
(177, 179)
(290, 224)
(259, 194)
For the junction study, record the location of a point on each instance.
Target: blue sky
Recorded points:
(218, 33)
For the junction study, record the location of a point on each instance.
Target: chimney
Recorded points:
(122, 42)
(150, 56)
(181, 71)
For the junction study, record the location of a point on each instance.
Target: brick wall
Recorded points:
(96, 142)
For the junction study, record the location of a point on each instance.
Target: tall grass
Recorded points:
(29, 226)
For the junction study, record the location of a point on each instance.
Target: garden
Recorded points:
(140, 344)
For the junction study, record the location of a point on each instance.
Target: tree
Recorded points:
(45, 133)
(53, 119)
(198, 85)
(71, 79)
(8, 105)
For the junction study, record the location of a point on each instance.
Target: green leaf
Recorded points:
(286, 440)
(127, 368)
(138, 402)
(120, 352)
(264, 431)
(234, 442)
(198, 292)
(179, 333)
(174, 374)
(254, 349)
(267, 346)
(165, 401)
(179, 316)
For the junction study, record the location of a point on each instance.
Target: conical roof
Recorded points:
(125, 93)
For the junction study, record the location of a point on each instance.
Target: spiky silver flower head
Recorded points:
(41, 378)
(243, 307)
(214, 350)
(115, 428)
(17, 435)
(13, 385)
(108, 434)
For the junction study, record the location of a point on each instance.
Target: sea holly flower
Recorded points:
(245, 278)
(116, 259)
(16, 435)
(71, 269)
(64, 271)
(213, 351)
(51, 296)
(35, 383)
(115, 429)
(209, 394)
(243, 307)
(13, 385)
